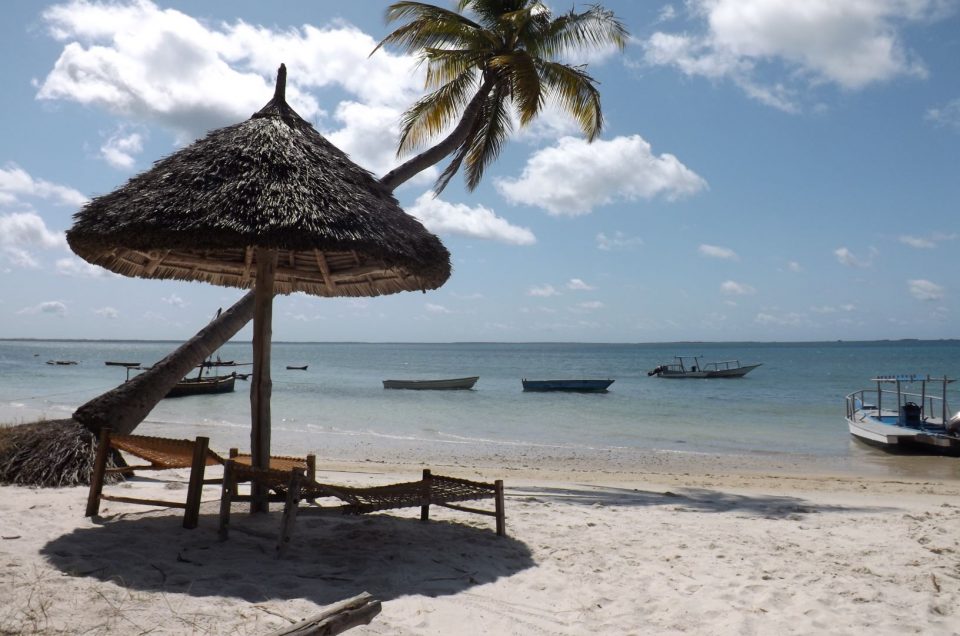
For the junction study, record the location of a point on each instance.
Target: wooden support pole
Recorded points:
(501, 515)
(335, 619)
(227, 492)
(312, 467)
(261, 385)
(195, 487)
(289, 511)
(99, 469)
(425, 495)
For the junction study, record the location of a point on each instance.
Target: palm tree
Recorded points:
(480, 71)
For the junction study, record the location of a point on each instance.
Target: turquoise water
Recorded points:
(792, 404)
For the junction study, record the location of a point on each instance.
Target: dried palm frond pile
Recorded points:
(49, 454)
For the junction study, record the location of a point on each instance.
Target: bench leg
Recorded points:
(195, 489)
(227, 490)
(99, 469)
(289, 512)
(425, 495)
(501, 516)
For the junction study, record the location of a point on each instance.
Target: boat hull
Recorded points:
(575, 386)
(901, 439)
(204, 386)
(432, 385)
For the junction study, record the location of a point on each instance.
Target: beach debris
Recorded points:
(336, 618)
(936, 585)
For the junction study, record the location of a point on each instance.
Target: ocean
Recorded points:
(792, 405)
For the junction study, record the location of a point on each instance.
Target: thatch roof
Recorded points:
(271, 181)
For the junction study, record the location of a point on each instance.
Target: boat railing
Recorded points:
(931, 405)
(722, 365)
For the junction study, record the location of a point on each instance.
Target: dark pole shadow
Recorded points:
(685, 499)
(330, 557)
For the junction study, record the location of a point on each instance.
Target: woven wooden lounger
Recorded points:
(164, 454)
(293, 486)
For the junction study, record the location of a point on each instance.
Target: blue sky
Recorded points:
(769, 170)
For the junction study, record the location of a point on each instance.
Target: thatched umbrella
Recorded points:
(269, 204)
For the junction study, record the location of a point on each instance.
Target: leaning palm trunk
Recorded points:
(124, 407)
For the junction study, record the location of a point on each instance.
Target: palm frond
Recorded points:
(595, 28)
(520, 72)
(434, 112)
(445, 65)
(576, 93)
(486, 145)
(489, 12)
(428, 26)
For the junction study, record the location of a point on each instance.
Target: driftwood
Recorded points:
(335, 619)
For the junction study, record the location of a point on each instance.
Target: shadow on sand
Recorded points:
(685, 500)
(331, 557)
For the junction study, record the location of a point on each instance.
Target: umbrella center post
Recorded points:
(261, 386)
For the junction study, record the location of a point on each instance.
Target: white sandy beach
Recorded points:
(588, 551)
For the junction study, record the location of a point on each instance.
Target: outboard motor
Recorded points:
(953, 424)
(654, 372)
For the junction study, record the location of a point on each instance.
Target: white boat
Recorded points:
(897, 419)
(433, 385)
(693, 367)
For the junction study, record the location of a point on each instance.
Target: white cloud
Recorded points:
(590, 305)
(457, 218)
(715, 251)
(544, 291)
(925, 290)
(163, 66)
(947, 115)
(794, 266)
(121, 148)
(666, 14)
(791, 319)
(52, 307)
(618, 241)
(848, 44)
(437, 309)
(734, 288)
(78, 268)
(829, 309)
(848, 258)
(918, 242)
(174, 300)
(926, 242)
(16, 183)
(107, 312)
(572, 177)
(577, 284)
(22, 231)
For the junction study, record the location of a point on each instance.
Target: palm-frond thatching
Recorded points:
(51, 454)
(274, 182)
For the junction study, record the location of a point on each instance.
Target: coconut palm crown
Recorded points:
(503, 58)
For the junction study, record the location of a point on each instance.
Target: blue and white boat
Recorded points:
(896, 417)
(579, 386)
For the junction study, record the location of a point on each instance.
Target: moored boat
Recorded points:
(693, 367)
(292, 367)
(896, 419)
(578, 386)
(203, 385)
(432, 385)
